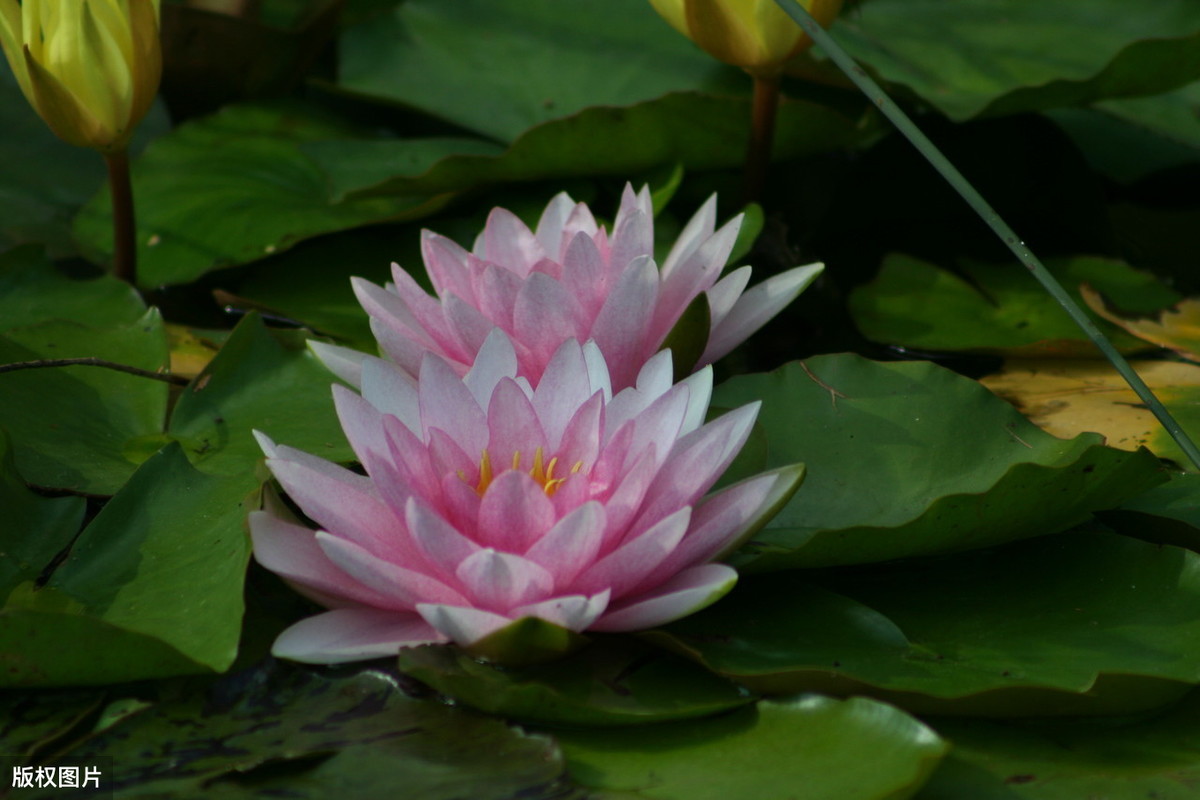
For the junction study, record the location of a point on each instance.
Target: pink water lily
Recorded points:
(571, 279)
(486, 501)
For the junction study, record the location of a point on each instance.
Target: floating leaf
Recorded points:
(279, 730)
(911, 459)
(151, 588)
(258, 381)
(822, 748)
(995, 308)
(1169, 513)
(1177, 328)
(500, 67)
(1121, 759)
(1081, 623)
(1067, 397)
(990, 57)
(33, 291)
(76, 427)
(608, 683)
(232, 188)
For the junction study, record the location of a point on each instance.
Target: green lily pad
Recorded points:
(990, 57)
(36, 529)
(71, 424)
(1169, 514)
(33, 291)
(696, 130)
(1080, 623)
(29, 721)
(279, 730)
(232, 188)
(1116, 759)
(813, 747)
(610, 682)
(500, 67)
(258, 381)
(998, 308)
(152, 587)
(910, 459)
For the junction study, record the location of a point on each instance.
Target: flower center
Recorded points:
(541, 471)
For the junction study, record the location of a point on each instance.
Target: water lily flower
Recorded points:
(756, 35)
(487, 503)
(571, 279)
(90, 68)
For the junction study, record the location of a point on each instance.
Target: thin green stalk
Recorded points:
(762, 135)
(955, 178)
(124, 226)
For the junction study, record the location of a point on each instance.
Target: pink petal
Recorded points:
(514, 513)
(571, 544)
(445, 263)
(292, 553)
(440, 542)
(393, 311)
(509, 243)
(393, 391)
(470, 328)
(496, 292)
(353, 634)
(397, 345)
(495, 361)
(698, 229)
(406, 587)
(545, 316)
(686, 593)
(585, 276)
(725, 293)
(692, 276)
(756, 307)
(499, 581)
(463, 626)
(621, 326)
(575, 612)
(513, 426)
(550, 226)
(580, 441)
(564, 387)
(361, 422)
(447, 405)
(626, 566)
(343, 362)
(633, 238)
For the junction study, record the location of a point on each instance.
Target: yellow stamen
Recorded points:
(541, 471)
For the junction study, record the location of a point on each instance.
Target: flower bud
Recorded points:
(90, 68)
(756, 35)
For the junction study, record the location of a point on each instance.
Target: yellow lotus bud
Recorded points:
(89, 67)
(756, 35)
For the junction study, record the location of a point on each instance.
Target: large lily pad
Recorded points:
(911, 459)
(232, 188)
(1123, 759)
(611, 682)
(813, 747)
(988, 57)
(997, 308)
(258, 381)
(152, 587)
(1081, 623)
(500, 67)
(1169, 513)
(33, 291)
(278, 730)
(72, 426)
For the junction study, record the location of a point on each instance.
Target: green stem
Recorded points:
(955, 178)
(762, 135)
(124, 226)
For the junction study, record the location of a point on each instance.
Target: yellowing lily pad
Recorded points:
(1067, 398)
(1177, 328)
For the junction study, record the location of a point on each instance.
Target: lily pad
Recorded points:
(232, 188)
(991, 57)
(997, 308)
(72, 425)
(1176, 328)
(611, 682)
(151, 588)
(258, 381)
(1080, 623)
(33, 291)
(1169, 514)
(910, 459)
(1121, 759)
(809, 746)
(277, 729)
(500, 67)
